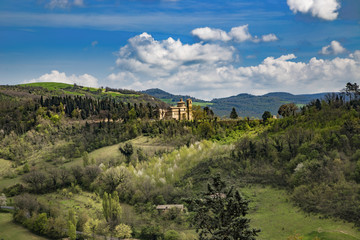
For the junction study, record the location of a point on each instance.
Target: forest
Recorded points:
(85, 166)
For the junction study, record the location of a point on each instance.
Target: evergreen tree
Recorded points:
(233, 114)
(220, 214)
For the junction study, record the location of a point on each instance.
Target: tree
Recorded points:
(172, 235)
(287, 110)
(72, 231)
(351, 90)
(123, 231)
(40, 223)
(112, 209)
(220, 214)
(111, 178)
(266, 115)
(127, 150)
(91, 227)
(197, 112)
(233, 114)
(86, 159)
(2, 200)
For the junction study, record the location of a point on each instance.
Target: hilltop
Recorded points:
(49, 89)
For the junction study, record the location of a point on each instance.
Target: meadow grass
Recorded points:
(48, 85)
(10, 231)
(202, 104)
(117, 94)
(273, 213)
(149, 145)
(65, 200)
(6, 182)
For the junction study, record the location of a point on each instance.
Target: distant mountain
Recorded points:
(168, 97)
(246, 105)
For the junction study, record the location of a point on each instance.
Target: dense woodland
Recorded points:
(313, 153)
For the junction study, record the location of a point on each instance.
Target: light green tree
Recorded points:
(72, 231)
(112, 209)
(123, 231)
(91, 227)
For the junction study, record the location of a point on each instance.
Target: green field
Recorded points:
(202, 104)
(48, 85)
(117, 94)
(12, 231)
(274, 214)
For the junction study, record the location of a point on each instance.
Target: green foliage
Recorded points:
(220, 213)
(127, 150)
(123, 231)
(287, 110)
(266, 115)
(172, 235)
(233, 114)
(91, 227)
(40, 223)
(112, 209)
(151, 233)
(72, 231)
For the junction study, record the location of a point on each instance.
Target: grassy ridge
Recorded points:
(48, 85)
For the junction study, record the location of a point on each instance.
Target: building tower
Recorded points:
(189, 109)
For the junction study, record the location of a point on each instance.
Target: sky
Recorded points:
(206, 49)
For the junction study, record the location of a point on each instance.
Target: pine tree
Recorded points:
(220, 214)
(233, 114)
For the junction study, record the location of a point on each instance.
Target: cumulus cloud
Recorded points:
(237, 34)
(144, 54)
(211, 71)
(210, 34)
(324, 9)
(56, 76)
(334, 48)
(64, 3)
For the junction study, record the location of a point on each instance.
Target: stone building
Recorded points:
(181, 112)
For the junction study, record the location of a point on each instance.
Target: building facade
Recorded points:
(181, 112)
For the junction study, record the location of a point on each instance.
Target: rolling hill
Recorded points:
(246, 105)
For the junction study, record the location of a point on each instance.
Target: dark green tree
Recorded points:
(266, 115)
(287, 110)
(127, 150)
(233, 114)
(220, 214)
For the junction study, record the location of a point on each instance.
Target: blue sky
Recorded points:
(207, 49)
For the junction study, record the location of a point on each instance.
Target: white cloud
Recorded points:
(209, 34)
(237, 34)
(64, 3)
(334, 48)
(56, 76)
(143, 54)
(269, 37)
(211, 71)
(324, 9)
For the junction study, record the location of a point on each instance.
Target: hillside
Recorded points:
(246, 105)
(65, 159)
